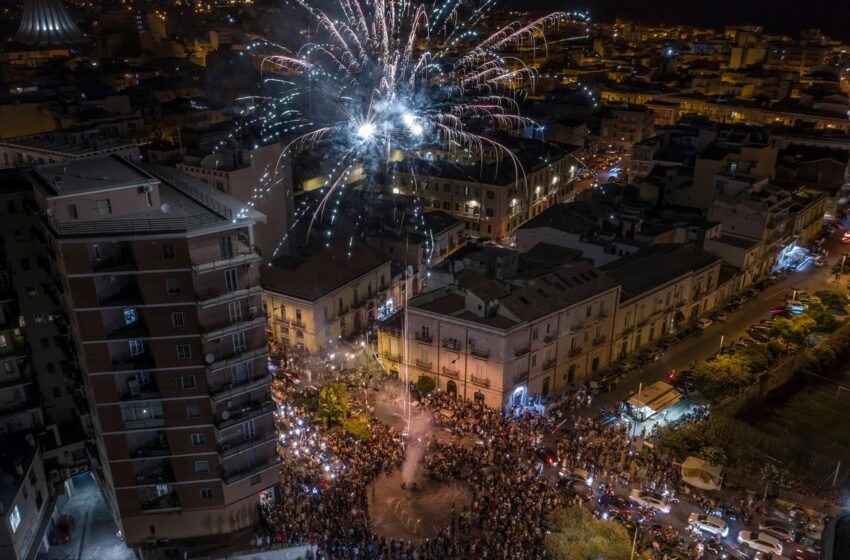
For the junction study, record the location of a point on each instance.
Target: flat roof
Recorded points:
(85, 175)
(59, 141)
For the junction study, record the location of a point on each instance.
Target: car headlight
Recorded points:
(726, 532)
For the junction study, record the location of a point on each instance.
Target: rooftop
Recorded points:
(91, 175)
(68, 143)
(655, 265)
(735, 241)
(317, 275)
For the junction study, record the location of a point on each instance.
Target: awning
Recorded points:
(702, 474)
(658, 397)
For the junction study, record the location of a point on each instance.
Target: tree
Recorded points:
(425, 384)
(714, 455)
(794, 330)
(333, 403)
(769, 474)
(825, 320)
(575, 534)
(725, 375)
(356, 427)
(832, 299)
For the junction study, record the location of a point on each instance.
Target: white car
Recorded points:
(776, 528)
(579, 475)
(709, 524)
(649, 500)
(704, 323)
(760, 541)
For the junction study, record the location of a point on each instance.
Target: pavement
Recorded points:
(95, 534)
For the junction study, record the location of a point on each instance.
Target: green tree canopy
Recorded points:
(794, 331)
(334, 403)
(425, 384)
(825, 320)
(575, 534)
(714, 455)
(356, 427)
(725, 375)
(832, 299)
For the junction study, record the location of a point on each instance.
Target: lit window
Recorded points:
(202, 466)
(15, 518)
(104, 207)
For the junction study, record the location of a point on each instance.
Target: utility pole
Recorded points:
(634, 543)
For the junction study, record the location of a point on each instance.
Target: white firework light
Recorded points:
(387, 76)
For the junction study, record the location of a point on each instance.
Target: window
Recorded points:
(226, 245)
(206, 493)
(184, 351)
(230, 280)
(172, 286)
(198, 439)
(239, 342)
(104, 207)
(202, 466)
(15, 518)
(131, 315)
(137, 348)
(9, 366)
(186, 382)
(39, 317)
(167, 251)
(178, 319)
(71, 210)
(193, 411)
(3, 341)
(589, 311)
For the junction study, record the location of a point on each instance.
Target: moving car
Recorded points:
(649, 500)
(704, 323)
(579, 475)
(709, 524)
(719, 317)
(760, 541)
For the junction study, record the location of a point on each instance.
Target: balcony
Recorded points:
(142, 361)
(521, 378)
(422, 337)
(599, 340)
(144, 423)
(422, 364)
(549, 364)
(576, 327)
(448, 372)
(230, 476)
(601, 316)
(230, 390)
(134, 330)
(480, 352)
(147, 392)
(522, 352)
(574, 352)
(451, 344)
(163, 475)
(550, 338)
(22, 379)
(226, 449)
(228, 360)
(151, 450)
(116, 263)
(211, 298)
(252, 410)
(168, 502)
(246, 255)
(221, 330)
(391, 357)
(126, 297)
(481, 381)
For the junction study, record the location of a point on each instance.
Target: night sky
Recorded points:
(778, 16)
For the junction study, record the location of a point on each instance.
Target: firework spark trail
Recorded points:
(382, 92)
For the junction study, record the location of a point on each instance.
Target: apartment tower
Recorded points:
(161, 279)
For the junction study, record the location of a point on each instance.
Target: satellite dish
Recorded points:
(166, 208)
(225, 415)
(210, 358)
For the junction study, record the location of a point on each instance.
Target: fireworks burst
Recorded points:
(384, 79)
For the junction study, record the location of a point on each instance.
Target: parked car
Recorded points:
(709, 524)
(778, 529)
(719, 316)
(704, 323)
(629, 365)
(579, 475)
(649, 500)
(761, 541)
(62, 530)
(546, 455)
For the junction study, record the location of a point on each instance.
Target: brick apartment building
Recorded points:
(161, 280)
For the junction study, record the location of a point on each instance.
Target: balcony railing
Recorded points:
(451, 344)
(231, 476)
(227, 449)
(142, 361)
(228, 360)
(162, 476)
(248, 384)
(576, 327)
(391, 357)
(422, 337)
(251, 410)
(216, 297)
(127, 296)
(134, 330)
(549, 364)
(448, 372)
(148, 392)
(114, 264)
(168, 502)
(154, 422)
(549, 338)
(155, 450)
(422, 364)
(575, 351)
(599, 340)
(480, 352)
(221, 330)
(521, 378)
(522, 352)
(245, 256)
(480, 381)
